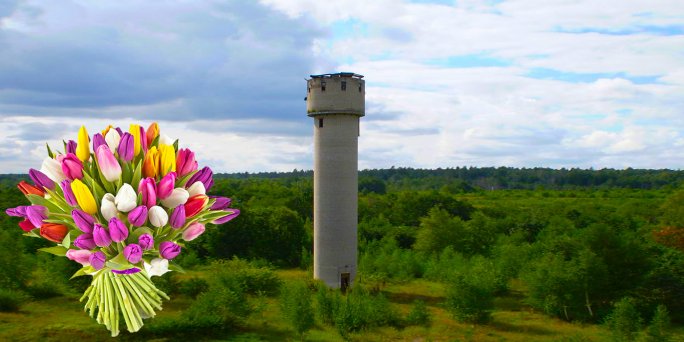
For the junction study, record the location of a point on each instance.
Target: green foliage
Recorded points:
(385, 260)
(439, 230)
(10, 300)
(193, 287)
(624, 322)
(241, 274)
(419, 314)
(295, 301)
(327, 302)
(657, 330)
(469, 300)
(360, 310)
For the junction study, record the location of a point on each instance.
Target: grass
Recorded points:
(63, 319)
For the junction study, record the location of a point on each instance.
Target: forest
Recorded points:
(453, 254)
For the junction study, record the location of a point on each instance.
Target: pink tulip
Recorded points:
(72, 166)
(193, 231)
(109, 166)
(80, 256)
(185, 162)
(166, 185)
(148, 189)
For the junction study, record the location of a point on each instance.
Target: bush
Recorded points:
(327, 302)
(624, 322)
(10, 300)
(657, 331)
(419, 314)
(469, 301)
(193, 287)
(251, 279)
(167, 283)
(295, 300)
(44, 286)
(360, 310)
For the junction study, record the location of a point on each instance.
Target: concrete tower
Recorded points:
(335, 102)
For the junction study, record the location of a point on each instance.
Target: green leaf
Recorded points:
(35, 199)
(175, 267)
(52, 155)
(126, 173)
(118, 262)
(137, 175)
(133, 237)
(67, 241)
(56, 250)
(175, 145)
(181, 181)
(155, 142)
(33, 234)
(86, 270)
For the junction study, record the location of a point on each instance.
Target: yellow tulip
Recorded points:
(84, 197)
(167, 159)
(135, 132)
(106, 130)
(150, 166)
(83, 145)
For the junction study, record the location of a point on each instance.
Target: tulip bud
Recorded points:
(205, 175)
(41, 180)
(98, 140)
(80, 256)
(152, 133)
(101, 236)
(107, 207)
(126, 147)
(27, 189)
(195, 204)
(178, 217)
(165, 140)
(83, 220)
(169, 250)
(117, 230)
(220, 203)
(158, 216)
(19, 211)
(230, 214)
(83, 146)
(185, 162)
(166, 185)
(150, 166)
(167, 159)
(197, 188)
(126, 199)
(146, 241)
(133, 253)
(54, 232)
(193, 231)
(71, 147)
(36, 214)
(138, 216)
(143, 140)
(68, 194)
(72, 167)
(84, 197)
(108, 164)
(97, 260)
(52, 169)
(178, 196)
(112, 138)
(137, 138)
(85, 241)
(26, 225)
(148, 189)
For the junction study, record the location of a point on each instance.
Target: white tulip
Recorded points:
(112, 138)
(108, 207)
(158, 216)
(126, 198)
(197, 188)
(178, 196)
(165, 140)
(156, 267)
(52, 169)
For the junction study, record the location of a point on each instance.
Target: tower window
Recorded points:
(344, 85)
(323, 86)
(359, 88)
(320, 123)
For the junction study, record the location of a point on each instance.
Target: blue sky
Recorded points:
(522, 83)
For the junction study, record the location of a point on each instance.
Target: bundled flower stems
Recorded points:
(123, 210)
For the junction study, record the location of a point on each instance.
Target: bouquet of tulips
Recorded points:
(123, 211)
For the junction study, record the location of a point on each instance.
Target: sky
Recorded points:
(520, 83)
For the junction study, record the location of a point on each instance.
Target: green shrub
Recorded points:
(327, 302)
(193, 287)
(167, 283)
(295, 300)
(624, 322)
(657, 330)
(251, 279)
(10, 300)
(360, 310)
(43, 285)
(469, 301)
(419, 314)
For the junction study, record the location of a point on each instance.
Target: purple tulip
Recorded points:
(138, 216)
(83, 220)
(117, 230)
(143, 140)
(36, 214)
(133, 253)
(125, 148)
(193, 231)
(118, 129)
(128, 271)
(98, 140)
(97, 260)
(146, 241)
(205, 176)
(19, 211)
(72, 167)
(185, 162)
(169, 250)
(221, 203)
(222, 220)
(71, 147)
(41, 180)
(166, 185)
(178, 217)
(148, 189)
(85, 241)
(101, 236)
(68, 193)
